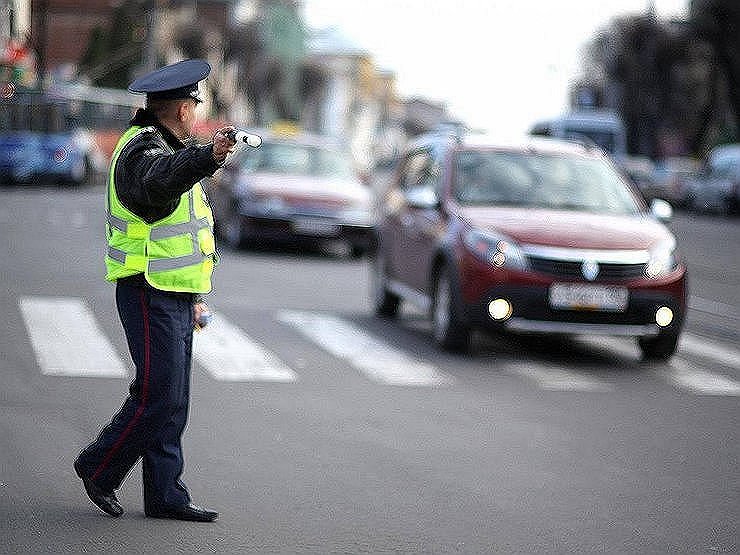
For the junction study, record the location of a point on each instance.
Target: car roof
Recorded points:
(525, 143)
(544, 145)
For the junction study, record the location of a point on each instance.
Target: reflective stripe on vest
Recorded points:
(158, 233)
(161, 232)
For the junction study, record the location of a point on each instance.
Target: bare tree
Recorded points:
(718, 22)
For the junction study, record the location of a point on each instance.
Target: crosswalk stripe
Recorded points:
(557, 379)
(702, 347)
(230, 355)
(681, 373)
(375, 358)
(688, 344)
(685, 375)
(67, 340)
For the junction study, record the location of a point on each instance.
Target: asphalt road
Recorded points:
(318, 428)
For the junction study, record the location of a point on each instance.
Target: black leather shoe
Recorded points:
(189, 512)
(104, 500)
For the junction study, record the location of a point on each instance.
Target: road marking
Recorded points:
(230, 355)
(557, 379)
(622, 347)
(713, 307)
(685, 375)
(67, 339)
(699, 346)
(688, 345)
(379, 361)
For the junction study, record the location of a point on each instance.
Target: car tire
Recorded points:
(84, 177)
(448, 329)
(232, 232)
(357, 251)
(661, 347)
(690, 203)
(726, 207)
(385, 303)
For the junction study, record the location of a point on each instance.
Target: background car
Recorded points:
(294, 188)
(604, 128)
(38, 144)
(541, 236)
(19, 155)
(717, 187)
(672, 176)
(640, 170)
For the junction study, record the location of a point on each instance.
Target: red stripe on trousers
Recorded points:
(144, 394)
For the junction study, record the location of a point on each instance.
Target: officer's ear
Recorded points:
(183, 111)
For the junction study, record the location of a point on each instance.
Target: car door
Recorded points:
(396, 219)
(418, 219)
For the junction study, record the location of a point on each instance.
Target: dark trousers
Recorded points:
(159, 330)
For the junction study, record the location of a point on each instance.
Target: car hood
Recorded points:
(299, 187)
(561, 228)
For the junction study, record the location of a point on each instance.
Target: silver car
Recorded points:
(295, 188)
(717, 188)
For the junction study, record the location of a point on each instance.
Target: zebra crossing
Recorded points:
(375, 358)
(229, 354)
(67, 340)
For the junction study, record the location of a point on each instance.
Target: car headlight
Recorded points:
(662, 260)
(495, 249)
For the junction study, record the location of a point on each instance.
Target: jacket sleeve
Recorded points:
(155, 176)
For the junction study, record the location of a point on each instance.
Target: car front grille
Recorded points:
(570, 269)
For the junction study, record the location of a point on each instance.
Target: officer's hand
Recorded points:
(222, 144)
(199, 310)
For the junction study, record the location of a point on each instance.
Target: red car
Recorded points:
(543, 236)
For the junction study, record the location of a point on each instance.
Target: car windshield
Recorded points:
(298, 159)
(541, 180)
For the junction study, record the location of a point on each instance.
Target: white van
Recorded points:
(601, 127)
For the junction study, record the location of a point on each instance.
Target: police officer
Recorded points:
(160, 254)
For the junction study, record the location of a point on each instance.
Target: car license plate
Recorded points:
(583, 296)
(315, 226)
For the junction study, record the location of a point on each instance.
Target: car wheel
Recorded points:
(82, 175)
(386, 304)
(734, 205)
(661, 347)
(232, 232)
(690, 203)
(726, 207)
(448, 329)
(357, 251)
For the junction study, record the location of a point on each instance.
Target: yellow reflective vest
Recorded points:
(176, 253)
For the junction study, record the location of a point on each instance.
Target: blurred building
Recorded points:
(266, 66)
(17, 60)
(14, 20)
(61, 30)
(423, 115)
(348, 106)
(358, 102)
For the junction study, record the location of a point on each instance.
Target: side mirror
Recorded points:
(661, 209)
(424, 198)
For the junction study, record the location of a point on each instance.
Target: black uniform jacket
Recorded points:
(155, 169)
